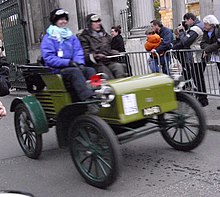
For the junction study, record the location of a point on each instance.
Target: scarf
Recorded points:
(58, 33)
(97, 34)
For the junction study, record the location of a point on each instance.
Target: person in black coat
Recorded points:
(4, 74)
(117, 40)
(117, 44)
(96, 43)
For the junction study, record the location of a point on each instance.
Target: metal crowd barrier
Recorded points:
(201, 74)
(142, 63)
(200, 70)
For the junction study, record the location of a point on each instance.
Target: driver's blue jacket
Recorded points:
(58, 55)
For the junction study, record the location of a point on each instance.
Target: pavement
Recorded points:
(211, 112)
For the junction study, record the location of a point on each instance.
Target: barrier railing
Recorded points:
(201, 74)
(142, 63)
(199, 69)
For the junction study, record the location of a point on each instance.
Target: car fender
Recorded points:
(64, 118)
(36, 112)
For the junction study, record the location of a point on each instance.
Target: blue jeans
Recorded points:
(164, 61)
(77, 78)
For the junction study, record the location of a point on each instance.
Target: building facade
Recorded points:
(172, 11)
(36, 16)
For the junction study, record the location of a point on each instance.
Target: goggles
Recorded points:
(95, 18)
(60, 12)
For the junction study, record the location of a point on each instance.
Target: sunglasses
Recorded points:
(95, 18)
(60, 12)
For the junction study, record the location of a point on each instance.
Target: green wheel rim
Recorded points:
(27, 135)
(92, 152)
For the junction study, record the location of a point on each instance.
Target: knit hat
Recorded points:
(92, 18)
(57, 14)
(211, 19)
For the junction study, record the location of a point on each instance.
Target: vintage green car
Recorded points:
(130, 108)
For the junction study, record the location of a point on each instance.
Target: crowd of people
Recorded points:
(78, 58)
(91, 51)
(191, 34)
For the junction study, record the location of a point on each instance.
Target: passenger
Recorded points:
(117, 42)
(166, 44)
(62, 51)
(191, 39)
(2, 110)
(97, 48)
(153, 40)
(211, 39)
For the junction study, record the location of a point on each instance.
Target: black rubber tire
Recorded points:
(29, 140)
(94, 147)
(180, 121)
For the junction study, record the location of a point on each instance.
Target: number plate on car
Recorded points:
(151, 110)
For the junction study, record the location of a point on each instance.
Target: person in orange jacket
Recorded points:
(153, 40)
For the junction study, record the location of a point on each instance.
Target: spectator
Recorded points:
(62, 52)
(4, 73)
(166, 44)
(117, 40)
(97, 48)
(191, 39)
(2, 110)
(184, 57)
(153, 40)
(211, 38)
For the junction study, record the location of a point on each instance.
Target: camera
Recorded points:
(184, 25)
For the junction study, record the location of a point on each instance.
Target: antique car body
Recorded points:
(126, 106)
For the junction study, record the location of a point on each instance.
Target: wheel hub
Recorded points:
(180, 120)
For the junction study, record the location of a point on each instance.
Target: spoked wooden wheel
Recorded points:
(184, 128)
(94, 150)
(29, 140)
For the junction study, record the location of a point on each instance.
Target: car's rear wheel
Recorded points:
(29, 140)
(184, 128)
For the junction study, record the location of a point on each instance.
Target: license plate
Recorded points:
(151, 110)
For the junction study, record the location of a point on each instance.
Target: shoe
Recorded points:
(204, 102)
